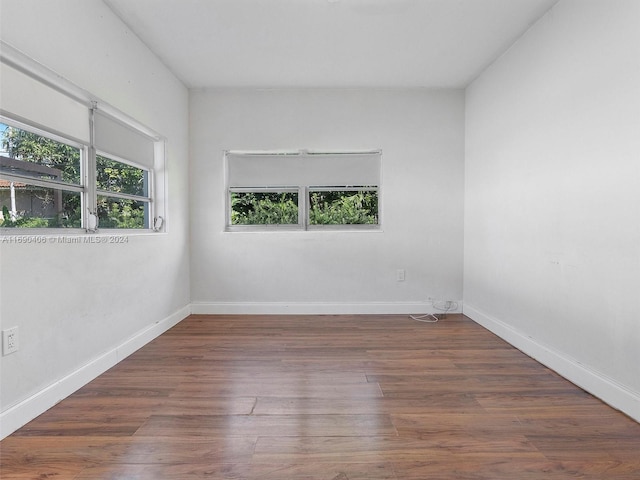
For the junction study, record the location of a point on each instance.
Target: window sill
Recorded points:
(311, 229)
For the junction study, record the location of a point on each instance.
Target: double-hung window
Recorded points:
(124, 174)
(69, 161)
(41, 178)
(302, 190)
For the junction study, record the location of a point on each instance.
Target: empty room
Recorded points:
(320, 239)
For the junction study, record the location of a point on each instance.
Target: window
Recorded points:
(42, 184)
(264, 207)
(343, 206)
(302, 190)
(123, 194)
(67, 161)
(40, 180)
(124, 171)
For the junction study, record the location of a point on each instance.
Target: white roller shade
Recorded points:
(115, 138)
(303, 169)
(25, 98)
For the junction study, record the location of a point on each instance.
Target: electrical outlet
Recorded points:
(10, 340)
(400, 275)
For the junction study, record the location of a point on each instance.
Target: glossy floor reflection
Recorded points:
(326, 397)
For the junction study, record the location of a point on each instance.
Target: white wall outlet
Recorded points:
(10, 340)
(400, 275)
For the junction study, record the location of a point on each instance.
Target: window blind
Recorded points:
(115, 138)
(303, 169)
(25, 98)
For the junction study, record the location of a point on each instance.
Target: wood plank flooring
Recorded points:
(326, 398)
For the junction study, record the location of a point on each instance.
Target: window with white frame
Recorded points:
(302, 190)
(41, 179)
(123, 199)
(67, 161)
(124, 171)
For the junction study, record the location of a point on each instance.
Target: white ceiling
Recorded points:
(328, 43)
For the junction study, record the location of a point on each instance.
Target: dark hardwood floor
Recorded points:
(326, 397)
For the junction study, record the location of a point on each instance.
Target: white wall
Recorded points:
(552, 208)
(87, 306)
(552, 238)
(421, 136)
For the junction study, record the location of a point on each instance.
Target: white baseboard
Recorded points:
(318, 308)
(28, 409)
(601, 386)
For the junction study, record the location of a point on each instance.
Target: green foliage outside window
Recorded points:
(120, 213)
(334, 207)
(68, 218)
(264, 208)
(52, 207)
(30, 147)
(340, 207)
(118, 177)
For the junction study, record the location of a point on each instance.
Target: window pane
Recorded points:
(343, 207)
(30, 206)
(32, 155)
(122, 213)
(118, 177)
(264, 208)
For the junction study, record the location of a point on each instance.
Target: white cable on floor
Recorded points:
(423, 318)
(433, 318)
